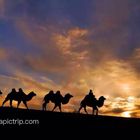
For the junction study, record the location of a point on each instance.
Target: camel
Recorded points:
(19, 98)
(94, 104)
(57, 99)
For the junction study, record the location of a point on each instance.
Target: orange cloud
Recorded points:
(135, 60)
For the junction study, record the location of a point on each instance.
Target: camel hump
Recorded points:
(48, 96)
(58, 98)
(21, 92)
(12, 93)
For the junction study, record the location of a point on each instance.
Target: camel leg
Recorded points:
(80, 109)
(96, 111)
(44, 106)
(93, 110)
(10, 103)
(85, 109)
(60, 108)
(18, 103)
(54, 107)
(4, 101)
(25, 104)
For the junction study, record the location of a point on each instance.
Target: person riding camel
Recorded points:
(90, 97)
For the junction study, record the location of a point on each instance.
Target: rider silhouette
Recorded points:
(90, 97)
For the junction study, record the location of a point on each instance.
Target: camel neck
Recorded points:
(28, 97)
(100, 103)
(65, 100)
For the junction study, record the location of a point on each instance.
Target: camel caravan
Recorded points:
(56, 98)
(19, 97)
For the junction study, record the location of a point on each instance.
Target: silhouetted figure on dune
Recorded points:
(19, 96)
(57, 99)
(91, 101)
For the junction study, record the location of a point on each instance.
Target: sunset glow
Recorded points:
(72, 46)
(126, 114)
(126, 88)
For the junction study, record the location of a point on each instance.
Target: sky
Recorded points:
(72, 46)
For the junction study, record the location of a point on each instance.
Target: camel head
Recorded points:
(68, 95)
(66, 98)
(32, 94)
(0, 92)
(101, 101)
(102, 98)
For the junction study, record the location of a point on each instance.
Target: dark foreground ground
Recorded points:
(56, 121)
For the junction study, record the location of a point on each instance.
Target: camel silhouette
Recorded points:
(94, 104)
(20, 97)
(57, 99)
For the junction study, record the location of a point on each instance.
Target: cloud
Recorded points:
(3, 54)
(117, 110)
(40, 86)
(125, 107)
(108, 14)
(69, 48)
(81, 62)
(72, 40)
(135, 60)
(112, 30)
